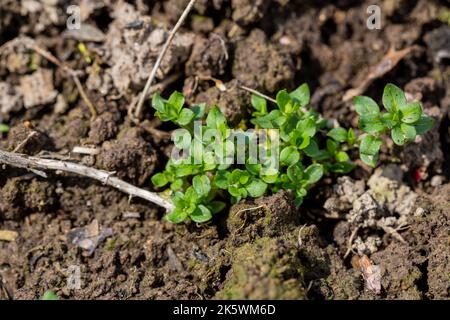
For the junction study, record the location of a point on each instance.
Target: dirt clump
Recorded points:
(37, 88)
(130, 156)
(20, 197)
(209, 57)
(10, 99)
(23, 138)
(132, 52)
(260, 64)
(232, 102)
(266, 269)
(246, 12)
(104, 127)
(266, 217)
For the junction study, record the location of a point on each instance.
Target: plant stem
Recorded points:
(35, 163)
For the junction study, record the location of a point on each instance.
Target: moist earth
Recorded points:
(396, 217)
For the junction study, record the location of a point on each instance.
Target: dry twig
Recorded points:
(166, 46)
(350, 241)
(262, 95)
(35, 163)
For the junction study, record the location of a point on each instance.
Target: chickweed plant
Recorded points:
(288, 147)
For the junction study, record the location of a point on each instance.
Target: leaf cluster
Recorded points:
(307, 148)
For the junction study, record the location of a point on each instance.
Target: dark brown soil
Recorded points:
(261, 249)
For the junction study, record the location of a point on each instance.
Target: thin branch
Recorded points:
(350, 241)
(35, 163)
(25, 141)
(257, 93)
(50, 57)
(166, 46)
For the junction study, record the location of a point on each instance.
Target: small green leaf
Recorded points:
(176, 100)
(199, 110)
(393, 98)
(287, 130)
(235, 176)
(254, 169)
(371, 123)
(365, 106)
(201, 214)
(183, 170)
(305, 141)
(234, 191)
(289, 156)
(269, 178)
(338, 134)
(244, 177)
(201, 185)
(259, 103)
(298, 201)
(170, 112)
(216, 206)
(191, 196)
(181, 139)
(283, 99)
(185, 117)
(370, 145)
(342, 156)
(314, 173)
(274, 119)
(256, 188)
(312, 150)
(49, 295)
(342, 167)
(332, 146)
(158, 103)
(389, 120)
(424, 124)
(409, 131)
(398, 136)
(411, 112)
(160, 180)
(215, 119)
(177, 185)
(178, 199)
(301, 192)
(302, 95)
(370, 160)
(307, 127)
(351, 137)
(221, 179)
(295, 172)
(178, 215)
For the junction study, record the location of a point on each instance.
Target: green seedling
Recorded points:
(308, 148)
(403, 120)
(84, 51)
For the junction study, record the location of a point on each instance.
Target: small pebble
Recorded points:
(437, 181)
(8, 235)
